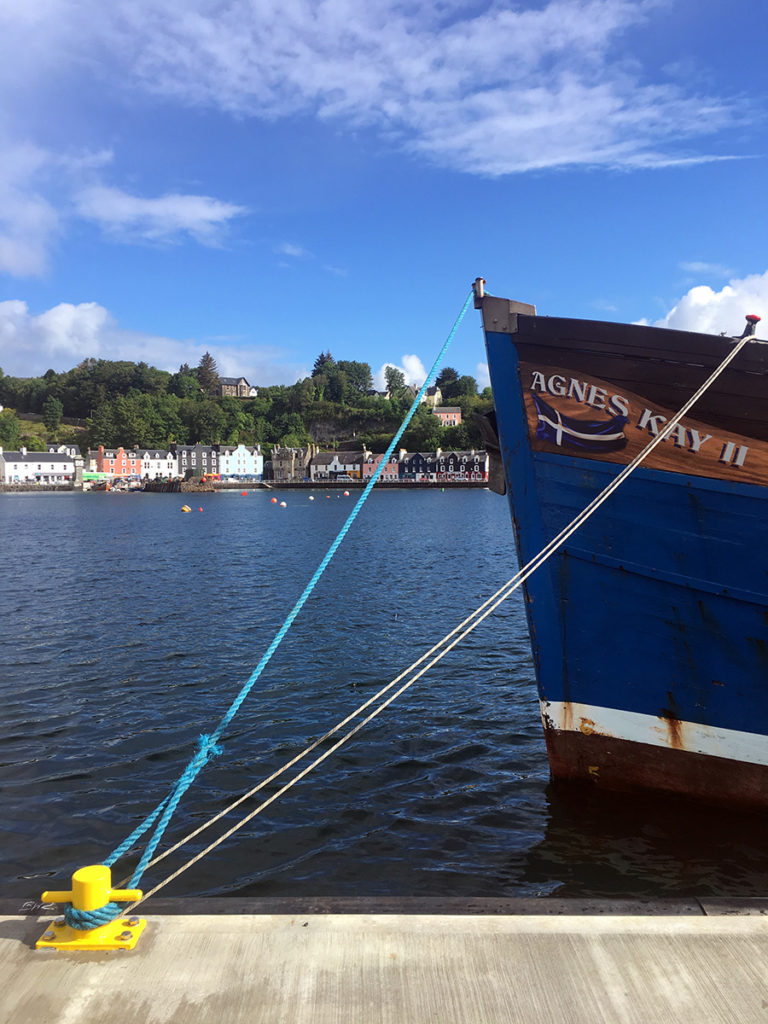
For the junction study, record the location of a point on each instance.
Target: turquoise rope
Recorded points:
(208, 745)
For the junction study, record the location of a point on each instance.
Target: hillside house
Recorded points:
(237, 387)
(432, 396)
(449, 415)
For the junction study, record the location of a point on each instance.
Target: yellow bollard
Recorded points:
(91, 889)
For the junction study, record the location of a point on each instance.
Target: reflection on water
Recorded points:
(611, 845)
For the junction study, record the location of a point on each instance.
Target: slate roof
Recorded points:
(52, 447)
(35, 457)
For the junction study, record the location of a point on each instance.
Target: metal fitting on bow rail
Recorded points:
(91, 892)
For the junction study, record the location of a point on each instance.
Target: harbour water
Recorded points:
(128, 627)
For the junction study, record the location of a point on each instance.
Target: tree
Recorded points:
(53, 410)
(452, 386)
(321, 363)
(395, 379)
(207, 423)
(465, 385)
(337, 383)
(208, 375)
(185, 385)
(302, 395)
(459, 438)
(149, 380)
(446, 377)
(10, 430)
(33, 443)
(359, 376)
(101, 426)
(425, 432)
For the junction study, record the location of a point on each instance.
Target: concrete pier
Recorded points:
(699, 963)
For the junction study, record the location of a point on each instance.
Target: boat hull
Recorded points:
(649, 626)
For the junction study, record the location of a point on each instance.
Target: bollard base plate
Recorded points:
(122, 933)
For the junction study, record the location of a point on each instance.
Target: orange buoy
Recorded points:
(273, 500)
(200, 509)
(243, 494)
(346, 494)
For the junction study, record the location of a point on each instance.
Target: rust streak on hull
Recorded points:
(623, 766)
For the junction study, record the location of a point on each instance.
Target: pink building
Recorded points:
(449, 415)
(389, 472)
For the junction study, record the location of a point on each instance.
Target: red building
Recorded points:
(118, 462)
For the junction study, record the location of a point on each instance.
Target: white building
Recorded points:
(337, 465)
(23, 467)
(241, 461)
(158, 463)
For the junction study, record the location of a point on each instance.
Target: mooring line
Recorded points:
(207, 745)
(471, 623)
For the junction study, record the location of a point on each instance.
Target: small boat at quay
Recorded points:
(649, 625)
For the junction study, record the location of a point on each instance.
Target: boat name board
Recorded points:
(589, 417)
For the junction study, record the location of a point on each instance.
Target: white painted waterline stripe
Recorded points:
(588, 719)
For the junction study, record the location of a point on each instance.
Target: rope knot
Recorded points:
(206, 749)
(84, 920)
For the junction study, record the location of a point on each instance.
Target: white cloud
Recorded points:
(414, 370)
(411, 367)
(708, 269)
(703, 309)
(486, 89)
(62, 336)
(482, 376)
(28, 221)
(41, 190)
(297, 252)
(162, 219)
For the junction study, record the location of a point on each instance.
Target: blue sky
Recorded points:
(269, 180)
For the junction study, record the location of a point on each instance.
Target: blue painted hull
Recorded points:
(650, 626)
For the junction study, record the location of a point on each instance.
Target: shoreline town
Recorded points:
(64, 467)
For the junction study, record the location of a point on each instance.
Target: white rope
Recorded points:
(440, 649)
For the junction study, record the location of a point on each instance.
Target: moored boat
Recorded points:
(649, 626)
